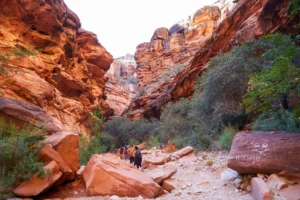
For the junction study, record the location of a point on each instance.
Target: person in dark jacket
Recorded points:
(137, 158)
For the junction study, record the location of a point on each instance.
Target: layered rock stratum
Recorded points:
(169, 64)
(121, 86)
(49, 61)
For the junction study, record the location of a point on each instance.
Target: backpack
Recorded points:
(138, 154)
(121, 150)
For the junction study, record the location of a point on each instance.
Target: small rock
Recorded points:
(238, 181)
(229, 175)
(249, 188)
(260, 190)
(236, 191)
(114, 197)
(183, 187)
(80, 171)
(197, 169)
(238, 186)
(261, 176)
(189, 184)
(245, 185)
(197, 191)
(274, 182)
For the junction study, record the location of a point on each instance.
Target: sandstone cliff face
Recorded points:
(48, 60)
(121, 86)
(210, 31)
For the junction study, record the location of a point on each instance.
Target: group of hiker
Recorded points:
(133, 154)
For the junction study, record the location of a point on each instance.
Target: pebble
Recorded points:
(260, 176)
(114, 197)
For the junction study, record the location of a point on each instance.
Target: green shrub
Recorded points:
(133, 141)
(220, 90)
(280, 77)
(123, 130)
(226, 137)
(96, 121)
(98, 142)
(175, 121)
(199, 140)
(96, 145)
(153, 141)
(18, 155)
(217, 97)
(277, 121)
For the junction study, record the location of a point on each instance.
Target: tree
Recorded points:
(281, 77)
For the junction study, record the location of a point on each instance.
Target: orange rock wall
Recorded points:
(218, 29)
(121, 86)
(48, 60)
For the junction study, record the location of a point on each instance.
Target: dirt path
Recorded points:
(200, 181)
(197, 180)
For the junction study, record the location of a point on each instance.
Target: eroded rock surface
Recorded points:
(167, 68)
(121, 86)
(265, 152)
(49, 61)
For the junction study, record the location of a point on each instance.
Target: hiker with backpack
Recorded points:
(131, 153)
(121, 153)
(138, 158)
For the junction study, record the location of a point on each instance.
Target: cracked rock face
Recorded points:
(49, 61)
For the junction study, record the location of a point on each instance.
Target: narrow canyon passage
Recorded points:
(210, 102)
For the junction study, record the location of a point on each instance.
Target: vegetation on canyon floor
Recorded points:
(97, 142)
(19, 147)
(254, 82)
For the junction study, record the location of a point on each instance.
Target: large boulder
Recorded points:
(107, 175)
(265, 152)
(48, 154)
(66, 144)
(36, 185)
(160, 174)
